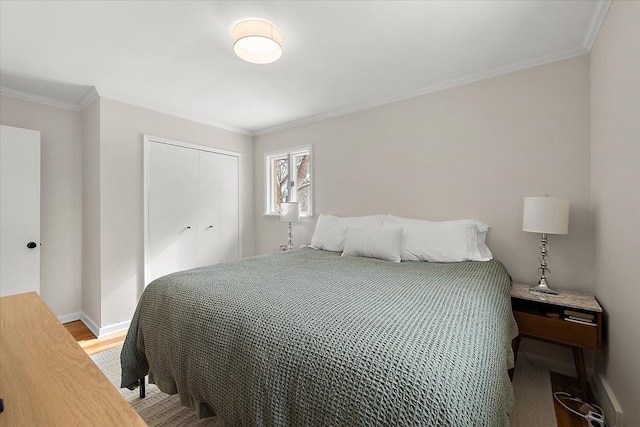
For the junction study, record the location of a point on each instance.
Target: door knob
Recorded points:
(31, 245)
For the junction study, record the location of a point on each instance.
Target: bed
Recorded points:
(309, 337)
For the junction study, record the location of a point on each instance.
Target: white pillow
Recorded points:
(401, 220)
(442, 241)
(331, 230)
(481, 235)
(480, 226)
(381, 243)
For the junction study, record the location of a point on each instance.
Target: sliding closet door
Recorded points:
(219, 208)
(172, 209)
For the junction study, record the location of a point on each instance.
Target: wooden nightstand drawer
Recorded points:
(556, 330)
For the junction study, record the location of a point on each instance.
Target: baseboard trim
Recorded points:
(107, 330)
(115, 328)
(71, 317)
(607, 400)
(90, 324)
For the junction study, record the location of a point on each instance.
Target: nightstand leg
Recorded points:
(578, 358)
(515, 346)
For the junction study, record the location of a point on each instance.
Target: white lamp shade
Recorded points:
(290, 212)
(549, 215)
(257, 41)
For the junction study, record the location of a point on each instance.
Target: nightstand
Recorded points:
(570, 318)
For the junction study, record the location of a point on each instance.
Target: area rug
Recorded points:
(157, 408)
(534, 400)
(532, 388)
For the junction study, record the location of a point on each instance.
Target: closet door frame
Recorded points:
(150, 139)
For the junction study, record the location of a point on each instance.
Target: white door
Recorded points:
(19, 210)
(219, 208)
(172, 209)
(192, 206)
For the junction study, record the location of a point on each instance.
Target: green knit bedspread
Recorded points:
(308, 337)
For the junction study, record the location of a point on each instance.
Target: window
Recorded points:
(283, 186)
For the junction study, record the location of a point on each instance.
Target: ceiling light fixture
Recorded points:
(257, 41)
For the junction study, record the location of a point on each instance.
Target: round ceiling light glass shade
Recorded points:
(257, 41)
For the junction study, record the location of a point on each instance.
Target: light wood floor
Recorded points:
(93, 345)
(89, 342)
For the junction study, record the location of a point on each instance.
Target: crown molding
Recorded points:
(94, 93)
(436, 87)
(88, 97)
(598, 13)
(170, 111)
(25, 96)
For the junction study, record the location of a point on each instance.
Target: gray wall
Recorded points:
(91, 236)
(122, 127)
(472, 151)
(615, 179)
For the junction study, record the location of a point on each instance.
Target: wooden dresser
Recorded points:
(46, 378)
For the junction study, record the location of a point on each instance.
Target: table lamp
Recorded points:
(546, 215)
(290, 212)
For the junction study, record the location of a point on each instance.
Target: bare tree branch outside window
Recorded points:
(303, 181)
(289, 180)
(280, 170)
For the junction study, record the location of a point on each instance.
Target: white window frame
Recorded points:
(289, 153)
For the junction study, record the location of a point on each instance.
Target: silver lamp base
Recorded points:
(290, 244)
(543, 288)
(542, 283)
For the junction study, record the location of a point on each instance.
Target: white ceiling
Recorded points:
(339, 56)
